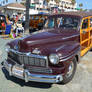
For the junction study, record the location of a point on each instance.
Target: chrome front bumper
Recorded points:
(27, 76)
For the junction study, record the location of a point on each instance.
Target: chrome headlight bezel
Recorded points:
(54, 58)
(7, 48)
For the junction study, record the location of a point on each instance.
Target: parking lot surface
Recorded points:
(82, 81)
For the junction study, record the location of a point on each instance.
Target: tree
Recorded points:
(48, 4)
(57, 1)
(47, 1)
(73, 2)
(81, 5)
(27, 15)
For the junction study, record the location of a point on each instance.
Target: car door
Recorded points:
(84, 36)
(90, 21)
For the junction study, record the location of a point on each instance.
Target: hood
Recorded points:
(48, 37)
(51, 41)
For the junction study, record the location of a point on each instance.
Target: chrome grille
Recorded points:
(32, 60)
(40, 70)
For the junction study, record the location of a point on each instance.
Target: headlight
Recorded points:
(54, 59)
(7, 47)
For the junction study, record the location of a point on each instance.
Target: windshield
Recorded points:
(62, 22)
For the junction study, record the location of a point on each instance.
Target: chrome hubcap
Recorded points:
(70, 70)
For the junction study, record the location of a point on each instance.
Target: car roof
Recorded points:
(39, 15)
(74, 14)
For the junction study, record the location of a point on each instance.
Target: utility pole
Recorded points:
(27, 15)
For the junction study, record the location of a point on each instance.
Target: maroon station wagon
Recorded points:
(50, 56)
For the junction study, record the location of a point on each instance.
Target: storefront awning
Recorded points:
(77, 8)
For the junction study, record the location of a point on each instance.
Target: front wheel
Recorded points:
(71, 72)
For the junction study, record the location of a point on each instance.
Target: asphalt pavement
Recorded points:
(82, 81)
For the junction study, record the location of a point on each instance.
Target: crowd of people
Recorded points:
(17, 22)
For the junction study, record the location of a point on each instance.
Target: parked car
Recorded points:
(51, 55)
(37, 22)
(2, 23)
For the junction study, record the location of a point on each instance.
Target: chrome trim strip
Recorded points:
(35, 77)
(26, 75)
(70, 37)
(33, 55)
(34, 69)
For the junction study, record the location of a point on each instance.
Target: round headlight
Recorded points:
(54, 59)
(7, 47)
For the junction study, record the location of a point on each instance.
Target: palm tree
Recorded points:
(57, 2)
(81, 5)
(73, 2)
(27, 15)
(47, 3)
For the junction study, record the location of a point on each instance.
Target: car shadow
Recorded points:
(22, 82)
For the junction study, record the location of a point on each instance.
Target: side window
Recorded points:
(59, 22)
(85, 24)
(50, 23)
(90, 22)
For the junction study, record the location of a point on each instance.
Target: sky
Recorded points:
(87, 4)
(11, 1)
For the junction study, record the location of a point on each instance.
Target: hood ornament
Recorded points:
(36, 51)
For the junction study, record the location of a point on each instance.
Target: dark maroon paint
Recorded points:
(55, 40)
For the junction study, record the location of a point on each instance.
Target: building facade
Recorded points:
(5, 2)
(65, 5)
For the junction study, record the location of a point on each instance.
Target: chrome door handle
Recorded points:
(83, 32)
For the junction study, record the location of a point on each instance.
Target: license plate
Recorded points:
(18, 71)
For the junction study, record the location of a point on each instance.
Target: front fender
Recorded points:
(69, 51)
(13, 43)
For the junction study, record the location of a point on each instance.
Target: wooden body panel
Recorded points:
(85, 37)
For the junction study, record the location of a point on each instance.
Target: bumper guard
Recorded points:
(27, 76)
